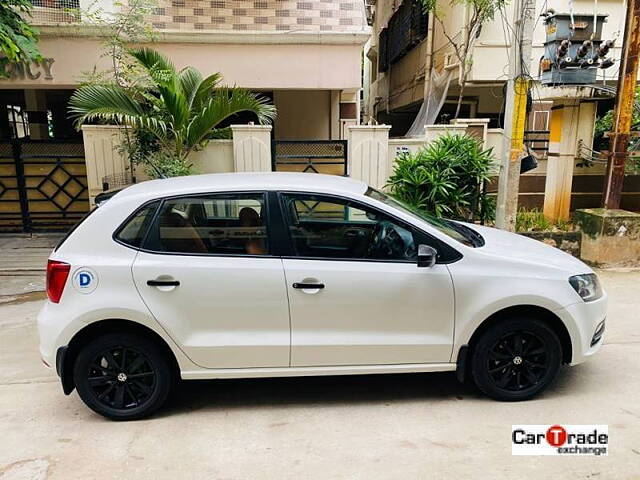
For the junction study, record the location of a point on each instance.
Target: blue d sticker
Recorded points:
(85, 280)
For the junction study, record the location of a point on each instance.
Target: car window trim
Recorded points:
(162, 200)
(413, 228)
(279, 238)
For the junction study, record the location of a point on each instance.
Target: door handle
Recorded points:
(163, 283)
(310, 286)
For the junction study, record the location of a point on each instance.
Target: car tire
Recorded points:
(123, 376)
(516, 359)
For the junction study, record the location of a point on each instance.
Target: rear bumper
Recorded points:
(54, 333)
(54, 330)
(585, 322)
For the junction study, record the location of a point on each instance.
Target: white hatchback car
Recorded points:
(285, 274)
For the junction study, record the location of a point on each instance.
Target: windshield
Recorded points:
(454, 230)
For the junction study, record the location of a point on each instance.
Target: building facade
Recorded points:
(305, 55)
(404, 65)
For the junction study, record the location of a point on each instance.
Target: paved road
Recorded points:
(403, 426)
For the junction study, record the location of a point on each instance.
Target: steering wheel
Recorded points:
(386, 242)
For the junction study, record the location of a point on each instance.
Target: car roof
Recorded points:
(215, 182)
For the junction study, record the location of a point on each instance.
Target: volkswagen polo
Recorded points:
(285, 274)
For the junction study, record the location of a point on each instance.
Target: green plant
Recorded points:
(180, 109)
(534, 221)
(604, 124)
(446, 178)
(126, 25)
(18, 39)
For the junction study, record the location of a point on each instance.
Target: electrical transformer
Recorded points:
(574, 49)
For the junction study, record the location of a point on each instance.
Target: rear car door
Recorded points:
(356, 294)
(207, 275)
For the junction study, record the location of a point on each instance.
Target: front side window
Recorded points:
(222, 224)
(328, 227)
(454, 230)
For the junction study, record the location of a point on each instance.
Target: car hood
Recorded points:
(507, 245)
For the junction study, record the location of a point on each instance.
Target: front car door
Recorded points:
(356, 294)
(230, 308)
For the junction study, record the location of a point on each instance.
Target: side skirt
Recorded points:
(315, 371)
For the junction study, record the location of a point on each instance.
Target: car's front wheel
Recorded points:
(516, 359)
(122, 376)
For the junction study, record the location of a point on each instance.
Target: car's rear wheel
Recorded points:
(516, 359)
(122, 376)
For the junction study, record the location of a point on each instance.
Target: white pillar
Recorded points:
(369, 154)
(251, 148)
(102, 156)
(574, 120)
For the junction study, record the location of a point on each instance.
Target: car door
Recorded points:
(207, 275)
(361, 302)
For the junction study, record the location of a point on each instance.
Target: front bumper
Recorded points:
(585, 323)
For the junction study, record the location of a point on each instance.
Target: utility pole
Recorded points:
(623, 112)
(515, 115)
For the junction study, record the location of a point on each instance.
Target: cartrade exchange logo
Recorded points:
(560, 440)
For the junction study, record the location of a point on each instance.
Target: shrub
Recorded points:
(446, 178)
(534, 221)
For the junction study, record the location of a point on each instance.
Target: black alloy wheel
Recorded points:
(123, 376)
(516, 359)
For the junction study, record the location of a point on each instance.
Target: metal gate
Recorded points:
(313, 156)
(43, 185)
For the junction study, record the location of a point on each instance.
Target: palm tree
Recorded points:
(181, 109)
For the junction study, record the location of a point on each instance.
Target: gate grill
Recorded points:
(43, 185)
(312, 156)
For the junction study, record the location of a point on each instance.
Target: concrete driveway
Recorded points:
(369, 427)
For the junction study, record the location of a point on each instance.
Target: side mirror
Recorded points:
(427, 256)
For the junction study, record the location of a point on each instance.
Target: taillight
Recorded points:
(57, 273)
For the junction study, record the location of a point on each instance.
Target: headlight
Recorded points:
(587, 286)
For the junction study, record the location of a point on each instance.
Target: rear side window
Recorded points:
(134, 229)
(218, 224)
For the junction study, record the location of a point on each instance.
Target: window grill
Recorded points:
(383, 57)
(399, 38)
(407, 27)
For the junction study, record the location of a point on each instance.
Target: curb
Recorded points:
(22, 272)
